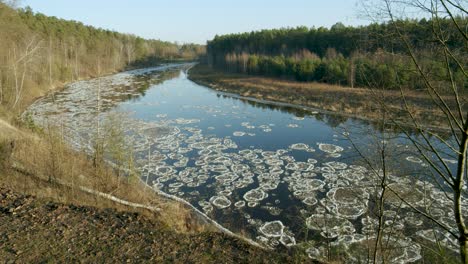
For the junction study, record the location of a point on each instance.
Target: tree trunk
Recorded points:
(464, 249)
(50, 63)
(1, 90)
(457, 194)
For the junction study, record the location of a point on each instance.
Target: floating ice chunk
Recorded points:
(349, 196)
(280, 152)
(238, 133)
(320, 210)
(299, 146)
(307, 185)
(303, 166)
(348, 202)
(333, 226)
(414, 159)
(203, 203)
(287, 240)
(164, 170)
(299, 166)
(274, 162)
(269, 185)
(310, 201)
(176, 185)
(183, 121)
(255, 195)
(158, 186)
(218, 168)
(225, 192)
(272, 229)
(207, 208)
(220, 201)
(349, 212)
(247, 125)
(252, 204)
(239, 204)
(330, 148)
(452, 161)
(184, 150)
(358, 168)
(298, 118)
(413, 221)
(293, 125)
(269, 154)
(239, 168)
(336, 165)
(273, 210)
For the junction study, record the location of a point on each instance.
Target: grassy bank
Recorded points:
(43, 165)
(355, 102)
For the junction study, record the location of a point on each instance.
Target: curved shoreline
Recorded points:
(206, 218)
(281, 102)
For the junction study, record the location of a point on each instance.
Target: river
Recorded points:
(280, 175)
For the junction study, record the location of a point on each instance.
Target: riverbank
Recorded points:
(39, 230)
(38, 164)
(351, 102)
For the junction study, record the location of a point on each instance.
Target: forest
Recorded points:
(39, 52)
(364, 56)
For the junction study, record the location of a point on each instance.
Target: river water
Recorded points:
(279, 175)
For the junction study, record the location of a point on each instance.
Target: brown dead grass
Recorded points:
(356, 102)
(47, 160)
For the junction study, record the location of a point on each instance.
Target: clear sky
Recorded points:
(198, 20)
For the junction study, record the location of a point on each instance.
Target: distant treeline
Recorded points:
(38, 52)
(365, 56)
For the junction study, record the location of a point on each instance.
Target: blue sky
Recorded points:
(199, 20)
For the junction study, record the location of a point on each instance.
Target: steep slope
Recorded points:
(38, 230)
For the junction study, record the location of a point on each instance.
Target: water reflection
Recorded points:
(282, 175)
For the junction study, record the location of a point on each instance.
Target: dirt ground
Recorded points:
(37, 230)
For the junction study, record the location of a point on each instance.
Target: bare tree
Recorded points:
(21, 57)
(380, 166)
(50, 61)
(1, 89)
(129, 49)
(447, 96)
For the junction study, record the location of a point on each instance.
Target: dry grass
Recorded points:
(47, 160)
(357, 102)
